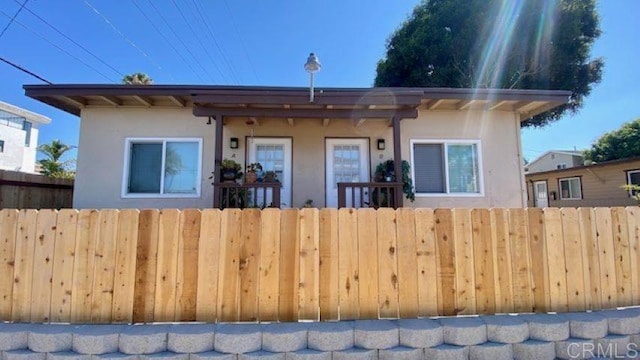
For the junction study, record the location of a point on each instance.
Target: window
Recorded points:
(570, 189)
(633, 178)
(11, 120)
(26, 126)
(441, 167)
(561, 166)
(162, 168)
(1, 146)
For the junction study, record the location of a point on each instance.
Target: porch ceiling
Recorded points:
(291, 103)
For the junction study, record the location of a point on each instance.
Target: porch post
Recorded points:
(397, 158)
(217, 161)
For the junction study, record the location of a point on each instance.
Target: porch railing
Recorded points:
(370, 194)
(241, 196)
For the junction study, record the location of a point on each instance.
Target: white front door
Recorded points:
(347, 160)
(274, 154)
(540, 194)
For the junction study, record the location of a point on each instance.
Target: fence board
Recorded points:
(622, 256)
(63, 259)
(84, 265)
(8, 228)
(591, 263)
(556, 260)
(573, 259)
(187, 272)
(146, 264)
(249, 263)
(464, 262)
(167, 263)
(539, 262)
(520, 260)
(483, 261)
(408, 302)
(633, 226)
(606, 256)
(269, 272)
(329, 266)
(43, 265)
(103, 275)
(348, 264)
(125, 266)
(289, 265)
(24, 260)
(446, 261)
(208, 265)
(368, 265)
(387, 263)
(309, 265)
(228, 276)
(502, 265)
(427, 260)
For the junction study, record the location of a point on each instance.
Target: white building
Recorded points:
(19, 138)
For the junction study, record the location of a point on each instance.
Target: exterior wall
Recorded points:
(551, 160)
(601, 185)
(499, 134)
(100, 163)
(16, 156)
(103, 133)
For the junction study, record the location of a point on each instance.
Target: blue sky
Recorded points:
(266, 43)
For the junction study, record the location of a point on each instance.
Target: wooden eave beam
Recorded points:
(178, 101)
(255, 120)
(77, 101)
(144, 100)
(495, 105)
(465, 104)
(433, 104)
(112, 100)
(358, 122)
(325, 122)
(307, 113)
(320, 99)
(538, 110)
(290, 121)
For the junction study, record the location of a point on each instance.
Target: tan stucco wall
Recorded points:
(101, 154)
(103, 133)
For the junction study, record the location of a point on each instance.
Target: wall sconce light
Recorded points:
(381, 144)
(233, 143)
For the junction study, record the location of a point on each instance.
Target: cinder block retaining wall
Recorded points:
(611, 333)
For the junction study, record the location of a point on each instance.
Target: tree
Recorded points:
(52, 165)
(529, 44)
(137, 79)
(617, 144)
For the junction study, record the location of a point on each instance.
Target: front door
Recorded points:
(274, 154)
(540, 194)
(347, 160)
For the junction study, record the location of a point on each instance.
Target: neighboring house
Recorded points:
(589, 185)
(555, 160)
(156, 145)
(19, 138)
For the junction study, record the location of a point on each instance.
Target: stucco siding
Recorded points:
(16, 156)
(552, 160)
(601, 185)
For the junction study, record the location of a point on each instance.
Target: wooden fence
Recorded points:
(126, 266)
(30, 191)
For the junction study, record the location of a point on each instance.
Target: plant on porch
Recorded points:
(385, 173)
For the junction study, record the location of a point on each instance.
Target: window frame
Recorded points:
(1, 146)
(628, 175)
(568, 179)
(446, 144)
(127, 159)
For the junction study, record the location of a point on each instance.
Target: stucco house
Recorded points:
(554, 160)
(19, 138)
(462, 145)
(586, 185)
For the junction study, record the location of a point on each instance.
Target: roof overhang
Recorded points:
(293, 102)
(29, 115)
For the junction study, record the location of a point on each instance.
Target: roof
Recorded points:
(565, 152)
(591, 166)
(31, 116)
(259, 101)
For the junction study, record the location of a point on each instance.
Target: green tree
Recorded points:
(618, 144)
(52, 165)
(528, 44)
(137, 79)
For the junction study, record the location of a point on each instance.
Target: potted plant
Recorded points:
(270, 177)
(251, 176)
(230, 170)
(385, 172)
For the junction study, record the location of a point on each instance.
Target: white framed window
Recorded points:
(570, 188)
(162, 167)
(633, 178)
(447, 167)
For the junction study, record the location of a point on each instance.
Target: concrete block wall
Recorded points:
(602, 334)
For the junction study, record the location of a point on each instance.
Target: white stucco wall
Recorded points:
(16, 156)
(103, 133)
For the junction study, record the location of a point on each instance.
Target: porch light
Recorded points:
(233, 143)
(312, 66)
(381, 144)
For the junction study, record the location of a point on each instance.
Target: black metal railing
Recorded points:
(253, 195)
(370, 194)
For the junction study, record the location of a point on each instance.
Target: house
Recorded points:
(555, 159)
(19, 138)
(157, 145)
(587, 186)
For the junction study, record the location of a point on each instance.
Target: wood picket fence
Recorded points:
(123, 266)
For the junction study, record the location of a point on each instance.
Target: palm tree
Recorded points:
(52, 166)
(137, 79)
